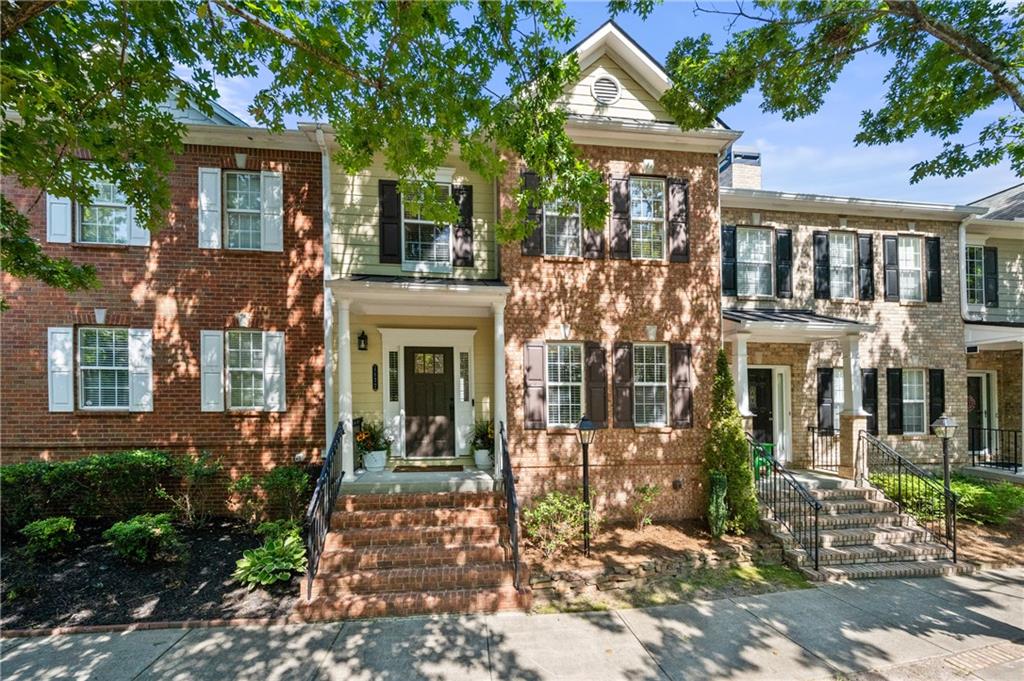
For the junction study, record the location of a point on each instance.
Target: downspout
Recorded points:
(962, 267)
(330, 361)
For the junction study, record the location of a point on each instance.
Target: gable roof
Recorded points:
(191, 115)
(1007, 204)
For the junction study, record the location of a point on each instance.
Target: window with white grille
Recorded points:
(565, 383)
(911, 270)
(103, 367)
(975, 275)
(562, 230)
(106, 219)
(842, 264)
(427, 246)
(647, 218)
(753, 261)
(242, 209)
(913, 402)
(245, 369)
(650, 384)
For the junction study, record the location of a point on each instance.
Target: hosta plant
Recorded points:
(275, 561)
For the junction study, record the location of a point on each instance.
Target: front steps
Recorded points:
(421, 553)
(862, 535)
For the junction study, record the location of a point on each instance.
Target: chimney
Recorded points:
(740, 168)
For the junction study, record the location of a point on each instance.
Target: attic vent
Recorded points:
(605, 90)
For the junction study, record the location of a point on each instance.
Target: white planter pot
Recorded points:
(375, 461)
(482, 459)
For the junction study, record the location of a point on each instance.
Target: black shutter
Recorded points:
(865, 267)
(933, 269)
(678, 233)
(390, 237)
(728, 260)
(596, 377)
(462, 255)
(822, 267)
(681, 385)
(593, 244)
(936, 395)
(622, 385)
(620, 248)
(869, 397)
(894, 401)
(826, 408)
(991, 267)
(891, 263)
(534, 243)
(784, 263)
(535, 414)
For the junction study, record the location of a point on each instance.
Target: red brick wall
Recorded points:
(176, 289)
(614, 300)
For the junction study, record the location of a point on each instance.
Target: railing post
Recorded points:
(899, 483)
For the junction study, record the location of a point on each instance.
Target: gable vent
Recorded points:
(605, 90)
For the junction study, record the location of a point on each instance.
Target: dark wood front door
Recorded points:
(760, 397)
(977, 418)
(429, 402)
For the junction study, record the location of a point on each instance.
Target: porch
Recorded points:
(995, 396)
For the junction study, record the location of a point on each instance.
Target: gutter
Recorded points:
(326, 217)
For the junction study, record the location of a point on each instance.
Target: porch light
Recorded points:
(363, 341)
(586, 431)
(945, 427)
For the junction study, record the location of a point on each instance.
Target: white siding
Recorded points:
(635, 102)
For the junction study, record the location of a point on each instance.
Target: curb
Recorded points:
(147, 626)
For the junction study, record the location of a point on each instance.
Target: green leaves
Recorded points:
(275, 561)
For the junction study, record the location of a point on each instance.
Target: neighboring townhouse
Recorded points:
(992, 281)
(204, 335)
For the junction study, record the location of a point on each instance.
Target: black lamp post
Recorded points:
(586, 431)
(945, 427)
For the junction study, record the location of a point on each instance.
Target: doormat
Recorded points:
(427, 469)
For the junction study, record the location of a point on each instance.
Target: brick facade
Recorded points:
(609, 300)
(176, 289)
(1008, 368)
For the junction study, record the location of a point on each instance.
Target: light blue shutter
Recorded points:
(211, 359)
(272, 205)
(209, 208)
(60, 367)
(140, 370)
(273, 371)
(138, 235)
(58, 219)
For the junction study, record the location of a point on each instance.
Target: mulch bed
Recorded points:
(93, 586)
(992, 544)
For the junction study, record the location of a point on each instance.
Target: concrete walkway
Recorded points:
(941, 628)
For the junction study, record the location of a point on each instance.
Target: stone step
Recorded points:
(921, 568)
(849, 494)
(832, 507)
(395, 603)
(384, 557)
(878, 553)
(865, 520)
(413, 536)
(823, 481)
(880, 534)
(377, 502)
(437, 578)
(417, 517)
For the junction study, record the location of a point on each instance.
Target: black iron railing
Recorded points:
(995, 448)
(788, 500)
(914, 490)
(321, 505)
(824, 448)
(511, 503)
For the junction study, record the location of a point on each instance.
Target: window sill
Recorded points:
(761, 298)
(913, 303)
(245, 413)
(649, 262)
(561, 430)
(418, 269)
(565, 258)
(118, 247)
(652, 429)
(104, 412)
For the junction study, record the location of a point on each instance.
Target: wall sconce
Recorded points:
(647, 165)
(652, 332)
(363, 341)
(243, 319)
(101, 315)
(240, 159)
(566, 330)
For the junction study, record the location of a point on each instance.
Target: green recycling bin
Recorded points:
(763, 460)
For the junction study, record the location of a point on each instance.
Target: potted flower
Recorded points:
(373, 444)
(483, 443)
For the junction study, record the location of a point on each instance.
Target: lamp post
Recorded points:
(586, 431)
(945, 428)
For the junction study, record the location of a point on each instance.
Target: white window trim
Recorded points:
(665, 384)
(80, 207)
(80, 368)
(852, 266)
(423, 265)
(979, 306)
(664, 218)
(923, 401)
(226, 223)
(921, 268)
(544, 233)
(771, 262)
(262, 406)
(548, 383)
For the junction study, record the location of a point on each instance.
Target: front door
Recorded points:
(761, 404)
(429, 402)
(977, 412)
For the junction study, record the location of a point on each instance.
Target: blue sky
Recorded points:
(815, 154)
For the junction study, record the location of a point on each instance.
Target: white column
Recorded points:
(739, 369)
(345, 387)
(330, 364)
(853, 390)
(500, 415)
(1022, 386)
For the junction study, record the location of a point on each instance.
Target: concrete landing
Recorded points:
(389, 482)
(992, 473)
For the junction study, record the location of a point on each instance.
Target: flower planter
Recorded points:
(482, 459)
(375, 461)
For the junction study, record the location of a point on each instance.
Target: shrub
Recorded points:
(144, 538)
(979, 501)
(196, 475)
(50, 536)
(718, 512)
(726, 451)
(643, 502)
(275, 561)
(287, 489)
(278, 529)
(555, 521)
(250, 504)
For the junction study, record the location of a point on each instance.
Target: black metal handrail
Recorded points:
(789, 501)
(321, 505)
(915, 491)
(511, 504)
(995, 448)
(824, 448)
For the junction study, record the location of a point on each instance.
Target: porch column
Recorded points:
(739, 368)
(854, 419)
(853, 390)
(500, 415)
(345, 386)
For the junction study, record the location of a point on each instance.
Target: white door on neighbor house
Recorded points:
(981, 409)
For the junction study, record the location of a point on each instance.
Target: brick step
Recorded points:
(832, 507)
(921, 568)
(396, 603)
(879, 553)
(865, 520)
(384, 557)
(841, 494)
(417, 517)
(476, 576)
(413, 536)
(881, 534)
(379, 502)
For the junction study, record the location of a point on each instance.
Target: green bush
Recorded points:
(555, 521)
(251, 504)
(144, 538)
(278, 529)
(643, 503)
(50, 536)
(718, 512)
(275, 561)
(978, 501)
(287, 489)
(195, 475)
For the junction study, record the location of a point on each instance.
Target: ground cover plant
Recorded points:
(979, 501)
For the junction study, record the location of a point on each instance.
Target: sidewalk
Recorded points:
(945, 628)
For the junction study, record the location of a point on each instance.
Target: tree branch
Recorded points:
(16, 14)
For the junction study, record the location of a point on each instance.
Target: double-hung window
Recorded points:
(245, 369)
(647, 218)
(565, 384)
(911, 269)
(753, 261)
(842, 263)
(975, 275)
(426, 245)
(103, 366)
(650, 384)
(913, 402)
(562, 229)
(242, 210)
(106, 219)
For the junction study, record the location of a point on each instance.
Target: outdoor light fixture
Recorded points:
(240, 159)
(586, 431)
(101, 315)
(363, 341)
(945, 427)
(647, 165)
